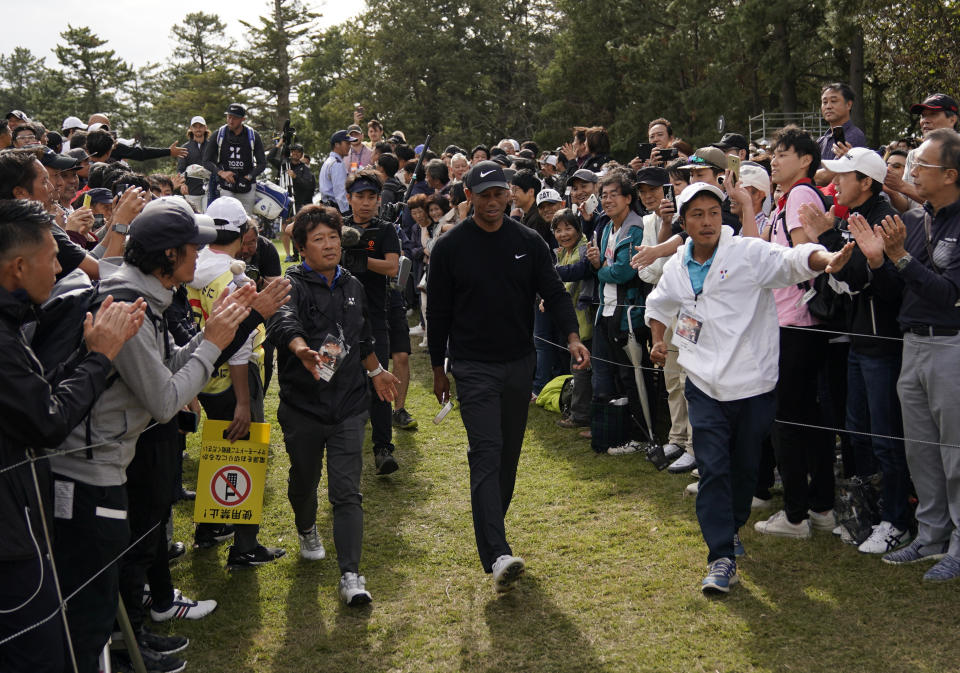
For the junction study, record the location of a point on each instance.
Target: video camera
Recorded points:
(287, 136)
(392, 211)
(357, 244)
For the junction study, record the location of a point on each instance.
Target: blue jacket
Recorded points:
(630, 289)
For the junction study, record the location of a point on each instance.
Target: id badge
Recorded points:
(63, 499)
(332, 353)
(687, 331)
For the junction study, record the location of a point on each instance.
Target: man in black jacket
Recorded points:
(325, 345)
(38, 414)
(874, 360)
(493, 359)
(194, 189)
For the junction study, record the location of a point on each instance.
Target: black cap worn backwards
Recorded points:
(485, 175)
(169, 223)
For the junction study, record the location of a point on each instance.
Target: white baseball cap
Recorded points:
(73, 123)
(753, 175)
(552, 160)
(861, 159)
(198, 120)
(548, 196)
(689, 193)
(227, 213)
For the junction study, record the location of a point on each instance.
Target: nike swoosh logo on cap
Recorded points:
(483, 175)
(520, 256)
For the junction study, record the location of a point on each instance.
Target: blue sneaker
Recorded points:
(947, 569)
(722, 575)
(915, 551)
(738, 549)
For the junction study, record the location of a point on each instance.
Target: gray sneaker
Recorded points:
(353, 589)
(506, 571)
(311, 548)
(947, 569)
(915, 552)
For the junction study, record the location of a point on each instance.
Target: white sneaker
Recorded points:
(311, 548)
(760, 503)
(825, 521)
(423, 343)
(885, 538)
(353, 590)
(693, 488)
(672, 451)
(695, 473)
(506, 571)
(417, 330)
(684, 463)
(629, 447)
(779, 525)
(184, 608)
(844, 534)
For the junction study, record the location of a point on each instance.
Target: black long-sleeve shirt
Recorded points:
(481, 289)
(242, 162)
(931, 295)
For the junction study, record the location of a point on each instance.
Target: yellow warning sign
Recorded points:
(232, 476)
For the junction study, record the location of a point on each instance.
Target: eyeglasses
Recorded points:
(920, 163)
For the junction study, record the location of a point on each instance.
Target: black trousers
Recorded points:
(84, 544)
(40, 650)
(381, 419)
(802, 451)
(150, 479)
(220, 407)
(306, 439)
(494, 400)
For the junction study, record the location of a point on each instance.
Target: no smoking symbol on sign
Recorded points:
(230, 485)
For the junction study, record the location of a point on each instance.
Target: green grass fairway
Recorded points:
(614, 563)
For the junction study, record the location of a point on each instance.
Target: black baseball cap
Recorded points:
(485, 175)
(730, 141)
(169, 222)
(236, 110)
(58, 162)
(653, 175)
(100, 195)
(364, 184)
(936, 101)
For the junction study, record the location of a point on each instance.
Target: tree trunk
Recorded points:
(856, 76)
(788, 85)
(283, 65)
(877, 115)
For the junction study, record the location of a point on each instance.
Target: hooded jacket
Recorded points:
(738, 351)
(36, 414)
(155, 379)
(314, 311)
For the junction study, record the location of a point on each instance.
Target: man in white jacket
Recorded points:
(718, 287)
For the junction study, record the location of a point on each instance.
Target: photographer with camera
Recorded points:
(235, 155)
(374, 259)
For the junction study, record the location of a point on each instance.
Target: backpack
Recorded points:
(826, 305)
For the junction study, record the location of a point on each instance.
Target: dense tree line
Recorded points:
(470, 70)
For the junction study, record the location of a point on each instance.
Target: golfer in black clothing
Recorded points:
(484, 276)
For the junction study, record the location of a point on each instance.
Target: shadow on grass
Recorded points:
(527, 632)
(808, 617)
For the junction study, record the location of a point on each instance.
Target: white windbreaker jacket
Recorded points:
(736, 354)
